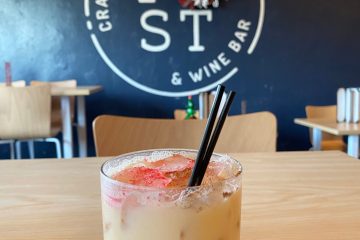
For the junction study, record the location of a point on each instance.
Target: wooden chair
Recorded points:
(56, 119)
(180, 114)
(116, 135)
(17, 83)
(25, 115)
(329, 141)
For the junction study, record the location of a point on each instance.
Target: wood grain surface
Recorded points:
(16, 83)
(330, 126)
(78, 91)
(291, 195)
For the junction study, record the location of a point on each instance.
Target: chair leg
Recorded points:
(18, 149)
(31, 149)
(57, 145)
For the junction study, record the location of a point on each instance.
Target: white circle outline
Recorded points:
(154, 91)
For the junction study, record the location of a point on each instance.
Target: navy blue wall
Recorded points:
(307, 50)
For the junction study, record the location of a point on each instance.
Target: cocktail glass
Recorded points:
(206, 212)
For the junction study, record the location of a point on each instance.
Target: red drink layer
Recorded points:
(170, 172)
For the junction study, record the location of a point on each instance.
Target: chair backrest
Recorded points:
(180, 114)
(56, 119)
(17, 83)
(116, 135)
(24, 112)
(328, 112)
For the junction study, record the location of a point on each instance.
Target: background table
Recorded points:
(65, 94)
(352, 130)
(297, 196)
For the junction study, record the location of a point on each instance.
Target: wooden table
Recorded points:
(80, 93)
(352, 130)
(294, 195)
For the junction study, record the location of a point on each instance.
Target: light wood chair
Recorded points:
(56, 119)
(329, 141)
(180, 114)
(17, 83)
(25, 115)
(116, 135)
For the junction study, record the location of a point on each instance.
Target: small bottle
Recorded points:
(190, 110)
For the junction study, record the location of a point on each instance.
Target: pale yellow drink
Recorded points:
(210, 211)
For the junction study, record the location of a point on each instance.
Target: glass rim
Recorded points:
(139, 187)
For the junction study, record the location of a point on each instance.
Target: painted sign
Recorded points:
(135, 40)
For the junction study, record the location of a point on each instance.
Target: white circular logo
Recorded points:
(163, 49)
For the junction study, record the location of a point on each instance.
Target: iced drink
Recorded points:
(145, 196)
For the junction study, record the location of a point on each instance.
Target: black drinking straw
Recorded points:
(207, 134)
(214, 139)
